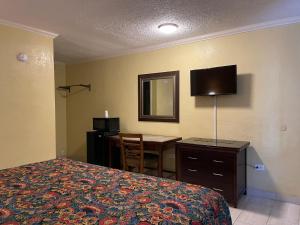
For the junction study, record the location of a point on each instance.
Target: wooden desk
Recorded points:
(151, 142)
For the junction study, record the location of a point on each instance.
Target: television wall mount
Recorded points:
(68, 87)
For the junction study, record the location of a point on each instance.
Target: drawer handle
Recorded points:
(217, 189)
(191, 170)
(218, 174)
(193, 158)
(218, 161)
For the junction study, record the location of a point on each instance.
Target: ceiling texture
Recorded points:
(91, 29)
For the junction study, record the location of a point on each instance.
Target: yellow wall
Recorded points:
(267, 99)
(27, 110)
(60, 110)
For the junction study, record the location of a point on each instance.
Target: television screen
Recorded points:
(214, 81)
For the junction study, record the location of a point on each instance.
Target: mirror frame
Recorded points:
(155, 76)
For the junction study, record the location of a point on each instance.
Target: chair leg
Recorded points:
(142, 169)
(157, 167)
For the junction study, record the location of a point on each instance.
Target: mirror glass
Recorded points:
(158, 97)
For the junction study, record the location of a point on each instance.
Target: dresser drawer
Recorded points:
(221, 175)
(220, 184)
(225, 190)
(221, 160)
(194, 159)
(206, 159)
(207, 176)
(196, 176)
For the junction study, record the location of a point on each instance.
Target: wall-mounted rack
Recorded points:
(68, 87)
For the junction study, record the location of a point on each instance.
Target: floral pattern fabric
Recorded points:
(63, 191)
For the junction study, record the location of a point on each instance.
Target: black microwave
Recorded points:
(106, 124)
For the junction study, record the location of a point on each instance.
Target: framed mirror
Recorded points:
(158, 97)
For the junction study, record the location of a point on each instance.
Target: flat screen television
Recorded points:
(214, 81)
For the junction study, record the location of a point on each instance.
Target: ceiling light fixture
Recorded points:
(168, 28)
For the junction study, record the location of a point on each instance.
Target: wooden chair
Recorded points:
(132, 152)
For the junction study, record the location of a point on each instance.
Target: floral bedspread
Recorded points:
(63, 191)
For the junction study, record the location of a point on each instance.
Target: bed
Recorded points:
(63, 191)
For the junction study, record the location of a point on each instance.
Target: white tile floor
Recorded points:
(259, 211)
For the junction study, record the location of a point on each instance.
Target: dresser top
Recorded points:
(214, 143)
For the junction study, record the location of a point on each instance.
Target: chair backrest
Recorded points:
(132, 151)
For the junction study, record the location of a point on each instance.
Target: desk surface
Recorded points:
(154, 138)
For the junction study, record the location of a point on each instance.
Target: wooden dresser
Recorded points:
(219, 165)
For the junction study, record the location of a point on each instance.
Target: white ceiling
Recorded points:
(91, 29)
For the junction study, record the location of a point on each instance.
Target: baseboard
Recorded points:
(273, 195)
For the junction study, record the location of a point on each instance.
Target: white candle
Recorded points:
(106, 114)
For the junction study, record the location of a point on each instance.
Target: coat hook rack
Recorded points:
(68, 87)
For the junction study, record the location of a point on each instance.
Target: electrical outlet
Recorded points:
(259, 167)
